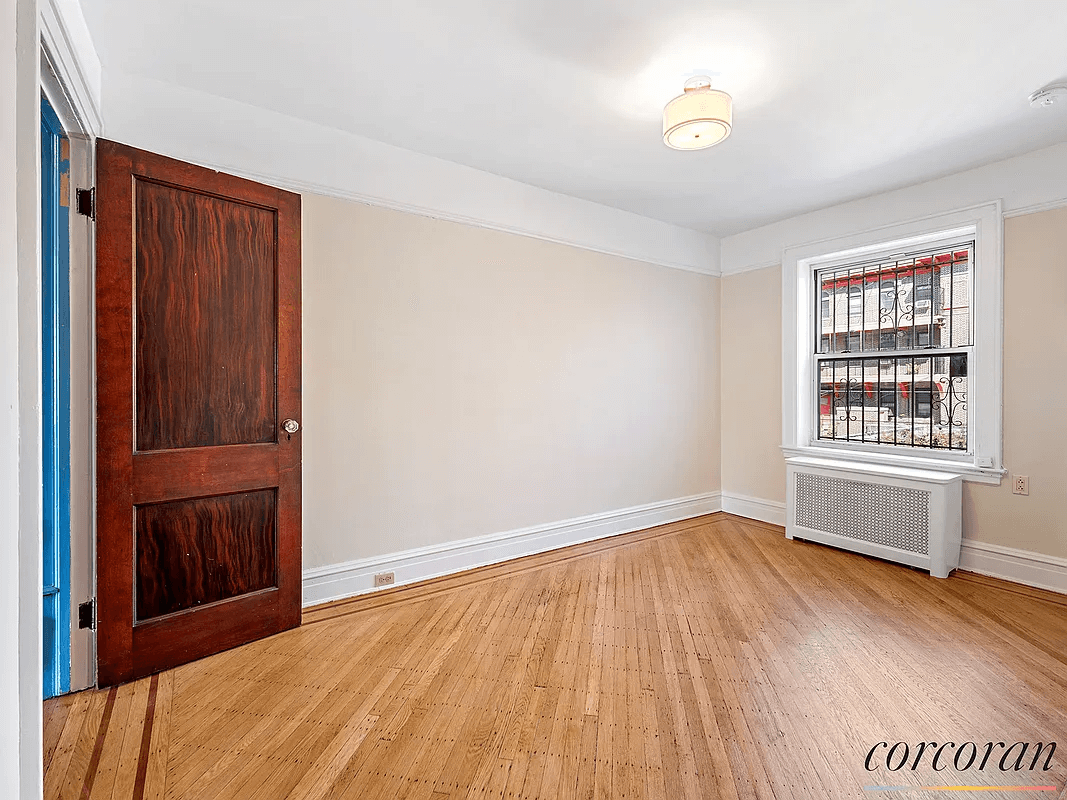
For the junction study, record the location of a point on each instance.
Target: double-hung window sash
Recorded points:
(893, 344)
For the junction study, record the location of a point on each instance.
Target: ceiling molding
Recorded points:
(70, 54)
(753, 268)
(291, 153)
(1032, 182)
(1036, 208)
(443, 214)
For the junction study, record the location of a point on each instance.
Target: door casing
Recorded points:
(82, 375)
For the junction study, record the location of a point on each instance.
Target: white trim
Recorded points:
(82, 419)
(771, 511)
(1018, 566)
(970, 473)
(341, 193)
(76, 66)
(1036, 208)
(1007, 563)
(21, 607)
(985, 402)
(1025, 184)
(337, 581)
(893, 472)
(275, 148)
(65, 79)
(751, 268)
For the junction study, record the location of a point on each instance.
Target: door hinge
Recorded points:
(86, 202)
(87, 614)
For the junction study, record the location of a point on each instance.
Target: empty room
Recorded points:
(532, 399)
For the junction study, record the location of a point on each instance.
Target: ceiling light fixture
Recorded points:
(699, 117)
(1050, 95)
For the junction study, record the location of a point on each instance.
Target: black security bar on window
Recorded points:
(916, 401)
(892, 345)
(918, 301)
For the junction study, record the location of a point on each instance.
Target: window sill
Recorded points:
(966, 469)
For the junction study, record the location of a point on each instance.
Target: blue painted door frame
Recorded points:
(55, 398)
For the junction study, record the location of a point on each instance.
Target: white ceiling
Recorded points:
(833, 99)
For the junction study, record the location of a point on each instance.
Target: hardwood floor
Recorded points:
(709, 658)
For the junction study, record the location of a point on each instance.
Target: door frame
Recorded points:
(34, 31)
(80, 125)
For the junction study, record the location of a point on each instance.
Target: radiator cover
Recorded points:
(905, 515)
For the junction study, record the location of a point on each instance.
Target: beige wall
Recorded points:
(1035, 349)
(1035, 393)
(461, 381)
(751, 387)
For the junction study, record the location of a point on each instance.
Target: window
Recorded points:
(855, 301)
(924, 292)
(910, 375)
(930, 409)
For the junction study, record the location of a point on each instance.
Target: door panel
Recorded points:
(205, 334)
(193, 552)
(198, 364)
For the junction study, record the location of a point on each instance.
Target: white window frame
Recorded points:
(983, 460)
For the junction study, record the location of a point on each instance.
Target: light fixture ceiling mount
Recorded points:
(699, 117)
(1049, 95)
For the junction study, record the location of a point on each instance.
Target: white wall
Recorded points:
(20, 472)
(460, 382)
(284, 151)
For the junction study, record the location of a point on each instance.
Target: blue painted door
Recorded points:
(55, 398)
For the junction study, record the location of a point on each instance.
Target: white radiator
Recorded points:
(906, 515)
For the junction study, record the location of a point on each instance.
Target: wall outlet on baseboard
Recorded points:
(384, 579)
(1020, 484)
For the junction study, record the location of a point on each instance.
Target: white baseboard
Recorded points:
(770, 511)
(1010, 564)
(1019, 566)
(337, 581)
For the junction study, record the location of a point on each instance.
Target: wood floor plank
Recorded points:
(274, 732)
(711, 658)
(54, 719)
(121, 732)
(129, 754)
(67, 738)
(84, 761)
(155, 784)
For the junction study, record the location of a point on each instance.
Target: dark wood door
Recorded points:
(198, 369)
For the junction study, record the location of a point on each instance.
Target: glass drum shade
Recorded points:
(700, 118)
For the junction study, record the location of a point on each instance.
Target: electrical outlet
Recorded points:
(383, 579)
(1020, 484)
